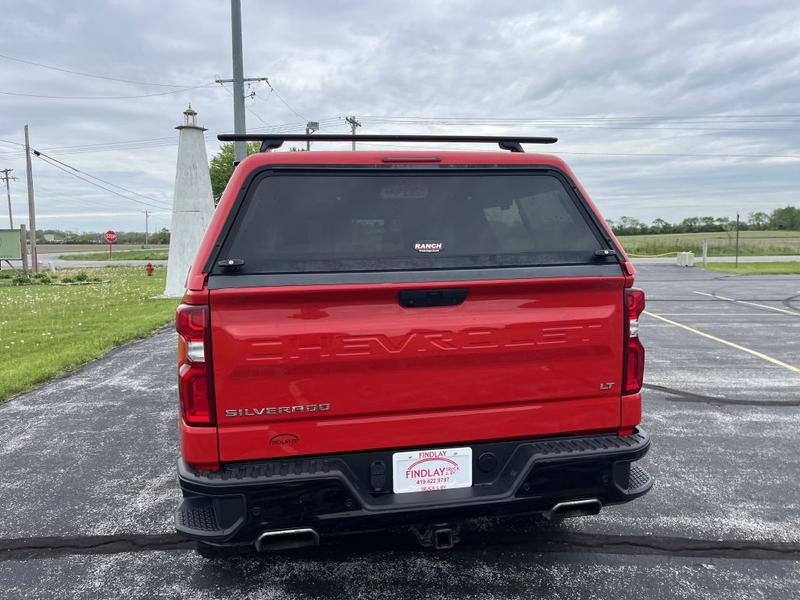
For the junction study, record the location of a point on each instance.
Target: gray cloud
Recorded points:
(674, 62)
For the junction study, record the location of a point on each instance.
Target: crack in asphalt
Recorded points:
(50, 547)
(47, 547)
(674, 546)
(792, 302)
(683, 396)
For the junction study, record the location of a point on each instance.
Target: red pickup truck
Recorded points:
(379, 339)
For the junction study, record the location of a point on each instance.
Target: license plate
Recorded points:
(429, 470)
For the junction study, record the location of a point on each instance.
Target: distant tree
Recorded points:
(689, 225)
(630, 226)
(160, 237)
(758, 220)
(221, 167)
(708, 224)
(787, 217)
(728, 224)
(660, 226)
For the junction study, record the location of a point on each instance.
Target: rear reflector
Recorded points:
(634, 351)
(195, 383)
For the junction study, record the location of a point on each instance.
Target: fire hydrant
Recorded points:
(149, 268)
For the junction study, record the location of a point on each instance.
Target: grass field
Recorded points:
(722, 243)
(149, 254)
(757, 268)
(46, 330)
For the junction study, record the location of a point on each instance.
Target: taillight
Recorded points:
(195, 384)
(633, 375)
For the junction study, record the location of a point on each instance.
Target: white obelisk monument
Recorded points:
(193, 203)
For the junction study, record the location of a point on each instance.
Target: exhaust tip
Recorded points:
(574, 508)
(286, 539)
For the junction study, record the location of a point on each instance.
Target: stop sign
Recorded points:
(111, 236)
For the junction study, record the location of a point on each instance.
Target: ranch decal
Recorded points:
(428, 246)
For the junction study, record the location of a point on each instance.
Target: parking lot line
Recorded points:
(760, 355)
(718, 314)
(782, 310)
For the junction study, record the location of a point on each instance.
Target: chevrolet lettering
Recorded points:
(521, 336)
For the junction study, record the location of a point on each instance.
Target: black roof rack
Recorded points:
(276, 140)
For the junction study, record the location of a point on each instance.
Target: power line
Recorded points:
(274, 91)
(682, 155)
(49, 97)
(110, 144)
(594, 117)
(293, 126)
(557, 151)
(247, 108)
(92, 75)
(143, 144)
(77, 170)
(136, 145)
(10, 142)
(90, 182)
(106, 146)
(573, 125)
(103, 148)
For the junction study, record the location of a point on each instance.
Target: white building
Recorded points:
(193, 203)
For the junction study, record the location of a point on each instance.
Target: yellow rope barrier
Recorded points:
(653, 255)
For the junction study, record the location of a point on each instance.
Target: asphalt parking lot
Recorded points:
(87, 482)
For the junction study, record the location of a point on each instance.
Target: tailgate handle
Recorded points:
(423, 298)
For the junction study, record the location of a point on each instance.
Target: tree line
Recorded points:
(786, 218)
(58, 236)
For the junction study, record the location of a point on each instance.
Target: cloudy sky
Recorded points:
(664, 109)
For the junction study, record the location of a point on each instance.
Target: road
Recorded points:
(48, 260)
(53, 259)
(698, 260)
(88, 481)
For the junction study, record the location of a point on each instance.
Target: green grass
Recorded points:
(757, 268)
(721, 243)
(47, 330)
(149, 254)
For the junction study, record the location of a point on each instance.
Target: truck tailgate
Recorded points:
(321, 369)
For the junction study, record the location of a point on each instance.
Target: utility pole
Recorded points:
(7, 176)
(737, 240)
(239, 125)
(311, 127)
(146, 227)
(240, 148)
(31, 208)
(353, 124)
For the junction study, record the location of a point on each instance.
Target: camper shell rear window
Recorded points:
(390, 220)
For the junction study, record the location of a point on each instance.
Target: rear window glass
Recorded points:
(304, 223)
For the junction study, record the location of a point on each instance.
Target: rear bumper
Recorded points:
(346, 493)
